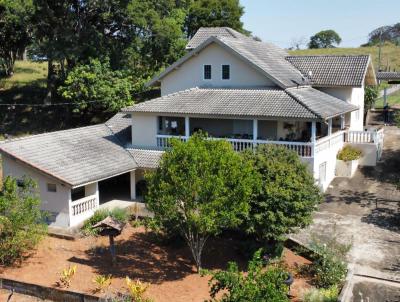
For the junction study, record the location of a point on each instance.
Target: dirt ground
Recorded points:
(169, 270)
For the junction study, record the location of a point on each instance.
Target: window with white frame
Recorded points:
(226, 72)
(207, 72)
(51, 187)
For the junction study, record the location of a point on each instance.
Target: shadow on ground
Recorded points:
(146, 259)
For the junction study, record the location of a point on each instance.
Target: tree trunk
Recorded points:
(196, 244)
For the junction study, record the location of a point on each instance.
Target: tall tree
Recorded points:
(211, 13)
(325, 39)
(15, 18)
(199, 188)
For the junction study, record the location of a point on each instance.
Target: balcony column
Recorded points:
(187, 127)
(133, 184)
(255, 130)
(342, 122)
(313, 137)
(329, 127)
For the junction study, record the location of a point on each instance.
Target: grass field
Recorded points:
(26, 73)
(392, 100)
(390, 54)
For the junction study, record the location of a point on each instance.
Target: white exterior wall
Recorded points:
(54, 202)
(190, 73)
(352, 95)
(144, 130)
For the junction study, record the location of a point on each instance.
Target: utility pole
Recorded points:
(380, 50)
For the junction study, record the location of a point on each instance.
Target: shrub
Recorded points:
(66, 276)
(285, 194)
(259, 285)
(102, 282)
(329, 267)
(116, 213)
(137, 290)
(21, 221)
(321, 295)
(349, 153)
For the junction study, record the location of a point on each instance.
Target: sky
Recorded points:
(282, 21)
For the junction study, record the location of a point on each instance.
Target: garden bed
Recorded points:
(168, 269)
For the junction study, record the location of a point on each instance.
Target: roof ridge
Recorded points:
(297, 99)
(327, 56)
(47, 133)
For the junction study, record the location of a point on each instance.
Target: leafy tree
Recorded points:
(95, 85)
(214, 13)
(370, 95)
(387, 33)
(324, 39)
(21, 221)
(285, 195)
(200, 188)
(15, 16)
(259, 285)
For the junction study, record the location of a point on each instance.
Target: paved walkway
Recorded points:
(365, 212)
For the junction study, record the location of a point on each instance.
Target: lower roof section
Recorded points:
(146, 159)
(74, 157)
(297, 103)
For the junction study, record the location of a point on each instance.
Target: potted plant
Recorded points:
(347, 161)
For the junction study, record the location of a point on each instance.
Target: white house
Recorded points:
(228, 85)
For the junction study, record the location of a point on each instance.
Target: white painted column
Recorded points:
(329, 127)
(187, 127)
(255, 130)
(313, 137)
(342, 122)
(97, 195)
(133, 184)
(313, 132)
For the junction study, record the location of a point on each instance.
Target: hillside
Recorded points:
(390, 54)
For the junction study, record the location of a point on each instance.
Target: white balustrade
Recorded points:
(328, 142)
(84, 205)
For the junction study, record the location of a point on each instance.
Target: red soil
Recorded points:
(169, 270)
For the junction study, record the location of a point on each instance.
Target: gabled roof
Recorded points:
(266, 58)
(76, 156)
(298, 103)
(147, 159)
(203, 33)
(332, 70)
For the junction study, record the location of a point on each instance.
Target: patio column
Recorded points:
(187, 127)
(255, 130)
(329, 127)
(313, 131)
(133, 184)
(342, 122)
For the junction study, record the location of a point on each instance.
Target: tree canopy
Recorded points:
(387, 33)
(325, 39)
(199, 189)
(285, 195)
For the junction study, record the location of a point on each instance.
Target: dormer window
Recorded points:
(226, 72)
(207, 72)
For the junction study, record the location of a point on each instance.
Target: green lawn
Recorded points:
(392, 99)
(26, 73)
(390, 54)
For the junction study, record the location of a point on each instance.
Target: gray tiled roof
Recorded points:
(332, 70)
(120, 125)
(203, 33)
(148, 159)
(388, 75)
(301, 103)
(322, 104)
(267, 58)
(75, 156)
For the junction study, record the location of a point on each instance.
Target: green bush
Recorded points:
(22, 224)
(116, 213)
(329, 266)
(349, 153)
(260, 284)
(321, 295)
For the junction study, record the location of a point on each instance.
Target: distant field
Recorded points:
(26, 73)
(392, 99)
(390, 54)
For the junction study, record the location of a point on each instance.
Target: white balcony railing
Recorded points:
(302, 149)
(328, 142)
(84, 205)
